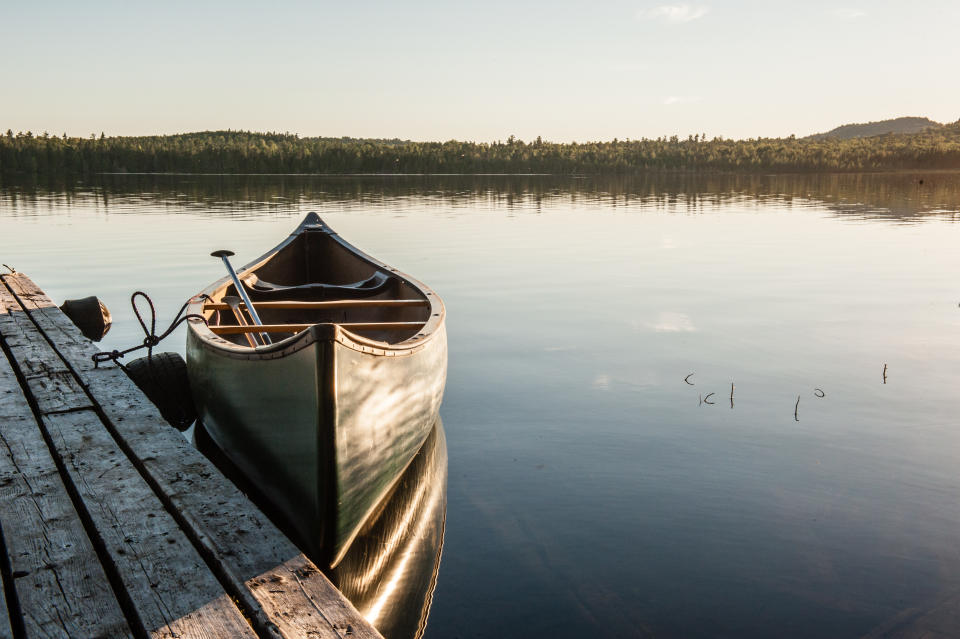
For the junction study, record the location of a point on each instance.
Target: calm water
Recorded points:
(592, 492)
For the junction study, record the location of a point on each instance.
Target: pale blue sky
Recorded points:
(471, 71)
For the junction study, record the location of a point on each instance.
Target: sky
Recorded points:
(430, 70)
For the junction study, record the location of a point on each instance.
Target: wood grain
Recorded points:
(60, 584)
(327, 305)
(51, 383)
(296, 328)
(6, 631)
(284, 593)
(172, 591)
(170, 586)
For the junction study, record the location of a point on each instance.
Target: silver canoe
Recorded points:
(325, 415)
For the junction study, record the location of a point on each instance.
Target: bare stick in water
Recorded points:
(701, 400)
(706, 400)
(884, 373)
(687, 379)
(731, 394)
(796, 408)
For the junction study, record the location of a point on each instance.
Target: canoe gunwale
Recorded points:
(319, 332)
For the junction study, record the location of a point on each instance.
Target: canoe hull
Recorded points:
(323, 427)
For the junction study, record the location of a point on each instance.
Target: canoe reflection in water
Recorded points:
(390, 570)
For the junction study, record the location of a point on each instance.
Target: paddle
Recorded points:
(234, 303)
(224, 254)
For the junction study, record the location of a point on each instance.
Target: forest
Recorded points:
(26, 154)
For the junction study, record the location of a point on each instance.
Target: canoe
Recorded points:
(324, 405)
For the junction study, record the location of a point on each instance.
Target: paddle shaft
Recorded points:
(234, 303)
(246, 300)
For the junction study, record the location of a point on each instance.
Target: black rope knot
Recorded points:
(151, 338)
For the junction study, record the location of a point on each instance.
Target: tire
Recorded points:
(163, 379)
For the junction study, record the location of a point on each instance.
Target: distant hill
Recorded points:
(870, 129)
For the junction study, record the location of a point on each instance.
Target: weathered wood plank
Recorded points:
(229, 527)
(303, 602)
(278, 585)
(6, 631)
(323, 306)
(24, 334)
(296, 328)
(51, 383)
(57, 392)
(170, 586)
(60, 584)
(32, 298)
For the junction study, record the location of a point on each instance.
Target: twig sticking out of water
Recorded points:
(731, 394)
(706, 400)
(819, 393)
(10, 268)
(884, 373)
(701, 400)
(796, 408)
(687, 379)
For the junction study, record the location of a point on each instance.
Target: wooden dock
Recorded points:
(113, 525)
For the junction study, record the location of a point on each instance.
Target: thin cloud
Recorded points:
(674, 13)
(679, 99)
(846, 13)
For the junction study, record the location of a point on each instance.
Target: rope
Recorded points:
(151, 338)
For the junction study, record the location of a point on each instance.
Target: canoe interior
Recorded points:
(312, 279)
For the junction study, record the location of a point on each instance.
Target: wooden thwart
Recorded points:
(322, 306)
(178, 549)
(296, 328)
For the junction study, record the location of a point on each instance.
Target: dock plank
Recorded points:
(52, 384)
(281, 589)
(60, 584)
(231, 529)
(172, 590)
(6, 631)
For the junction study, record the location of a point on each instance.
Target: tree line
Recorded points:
(45, 155)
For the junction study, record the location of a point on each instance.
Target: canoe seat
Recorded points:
(373, 285)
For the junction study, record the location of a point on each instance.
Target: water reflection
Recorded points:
(390, 572)
(900, 196)
(585, 470)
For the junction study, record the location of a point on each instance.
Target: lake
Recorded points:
(677, 406)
